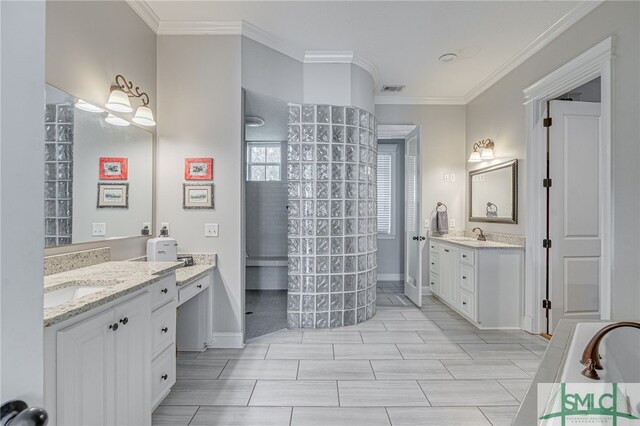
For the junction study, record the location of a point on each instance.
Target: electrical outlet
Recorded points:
(452, 223)
(452, 177)
(211, 230)
(99, 230)
(446, 177)
(426, 223)
(164, 225)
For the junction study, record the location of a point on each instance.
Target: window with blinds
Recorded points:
(386, 196)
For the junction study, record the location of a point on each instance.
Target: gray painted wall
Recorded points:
(442, 150)
(199, 115)
(498, 113)
(22, 42)
(391, 251)
(83, 56)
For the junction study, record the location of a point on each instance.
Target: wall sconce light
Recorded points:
(482, 151)
(119, 101)
(86, 106)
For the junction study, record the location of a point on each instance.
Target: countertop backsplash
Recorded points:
(78, 259)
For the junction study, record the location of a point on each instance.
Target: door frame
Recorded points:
(401, 131)
(595, 62)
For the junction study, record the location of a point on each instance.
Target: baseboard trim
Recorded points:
(390, 277)
(227, 340)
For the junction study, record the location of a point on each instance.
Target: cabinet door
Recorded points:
(133, 362)
(85, 372)
(449, 273)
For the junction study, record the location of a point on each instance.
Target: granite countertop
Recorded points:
(189, 273)
(118, 278)
(474, 243)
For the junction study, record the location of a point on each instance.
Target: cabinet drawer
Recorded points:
(163, 328)
(467, 305)
(434, 263)
(467, 278)
(467, 256)
(433, 247)
(187, 292)
(162, 292)
(163, 374)
(434, 283)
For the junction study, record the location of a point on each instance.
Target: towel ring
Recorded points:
(440, 204)
(492, 208)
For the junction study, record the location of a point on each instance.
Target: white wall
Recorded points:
(22, 41)
(498, 113)
(87, 44)
(199, 115)
(442, 135)
(270, 72)
(338, 84)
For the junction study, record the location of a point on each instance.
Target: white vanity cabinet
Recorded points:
(114, 363)
(483, 284)
(103, 367)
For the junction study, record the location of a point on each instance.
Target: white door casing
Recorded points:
(596, 62)
(575, 210)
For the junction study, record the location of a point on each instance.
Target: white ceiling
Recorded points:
(401, 40)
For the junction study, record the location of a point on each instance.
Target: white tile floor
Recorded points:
(406, 366)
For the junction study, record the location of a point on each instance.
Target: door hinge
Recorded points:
(546, 243)
(546, 183)
(547, 122)
(546, 304)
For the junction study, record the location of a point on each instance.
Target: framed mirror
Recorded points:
(98, 176)
(493, 193)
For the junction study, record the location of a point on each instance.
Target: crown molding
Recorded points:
(532, 48)
(419, 100)
(342, 57)
(142, 8)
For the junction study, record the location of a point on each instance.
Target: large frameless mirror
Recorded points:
(98, 175)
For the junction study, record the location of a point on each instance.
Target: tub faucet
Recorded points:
(591, 355)
(481, 237)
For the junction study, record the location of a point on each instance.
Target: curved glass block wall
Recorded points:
(332, 194)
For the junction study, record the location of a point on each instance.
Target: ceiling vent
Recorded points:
(387, 88)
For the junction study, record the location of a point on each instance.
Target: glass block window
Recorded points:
(264, 161)
(386, 195)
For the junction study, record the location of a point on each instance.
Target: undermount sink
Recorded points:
(73, 291)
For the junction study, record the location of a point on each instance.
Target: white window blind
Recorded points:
(384, 193)
(411, 193)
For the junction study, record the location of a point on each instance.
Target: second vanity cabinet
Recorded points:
(482, 284)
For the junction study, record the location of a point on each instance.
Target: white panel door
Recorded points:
(133, 362)
(86, 373)
(575, 211)
(413, 243)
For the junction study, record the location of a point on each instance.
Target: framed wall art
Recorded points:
(198, 169)
(113, 195)
(197, 196)
(114, 168)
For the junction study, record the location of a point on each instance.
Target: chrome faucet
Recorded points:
(591, 355)
(481, 237)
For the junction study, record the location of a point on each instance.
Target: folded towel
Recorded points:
(442, 222)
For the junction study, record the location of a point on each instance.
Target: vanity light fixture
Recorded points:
(482, 151)
(119, 101)
(86, 106)
(116, 121)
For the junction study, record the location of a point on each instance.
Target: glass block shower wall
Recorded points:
(332, 240)
(58, 168)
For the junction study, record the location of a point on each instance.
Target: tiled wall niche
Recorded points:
(332, 207)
